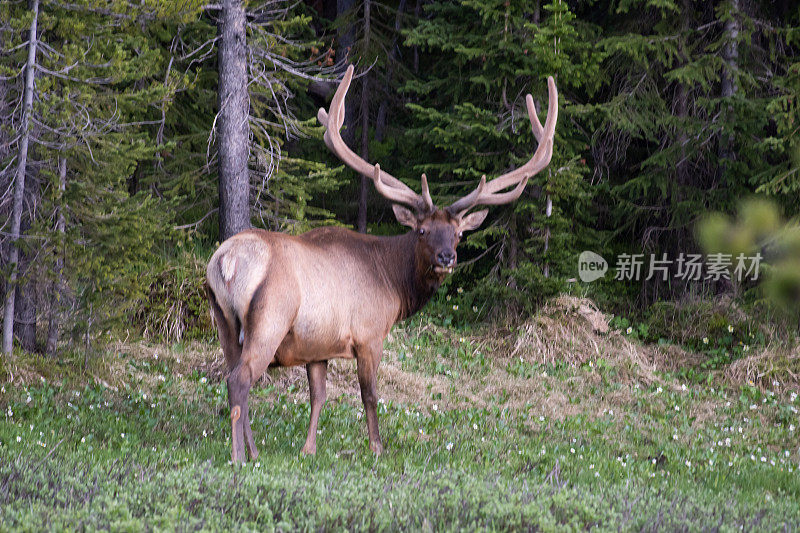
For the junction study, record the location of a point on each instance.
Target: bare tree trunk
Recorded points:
(363, 189)
(380, 122)
(234, 131)
(346, 39)
(54, 322)
(25, 297)
(19, 186)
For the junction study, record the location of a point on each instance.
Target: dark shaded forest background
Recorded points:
(670, 111)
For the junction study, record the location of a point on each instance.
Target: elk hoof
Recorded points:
(376, 447)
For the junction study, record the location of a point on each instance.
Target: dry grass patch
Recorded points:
(765, 365)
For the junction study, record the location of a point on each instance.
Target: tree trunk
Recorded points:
(380, 122)
(346, 39)
(19, 186)
(234, 132)
(363, 190)
(25, 297)
(54, 319)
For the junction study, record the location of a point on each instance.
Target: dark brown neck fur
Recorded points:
(413, 277)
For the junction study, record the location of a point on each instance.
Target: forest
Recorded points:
(651, 269)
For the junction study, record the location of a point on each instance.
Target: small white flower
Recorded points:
(475, 426)
(705, 340)
(19, 439)
(688, 463)
(572, 450)
(474, 308)
(730, 328)
(449, 446)
(629, 330)
(435, 407)
(83, 439)
(763, 459)
(677, 408)
(122, 435)
(659, 390)
(203, 379)
(591, 466)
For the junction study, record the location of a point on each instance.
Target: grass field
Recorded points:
(548, 426)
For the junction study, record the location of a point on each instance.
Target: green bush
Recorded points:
(175, 308)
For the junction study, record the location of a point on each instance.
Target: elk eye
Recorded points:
(460, 234)
(422, 231)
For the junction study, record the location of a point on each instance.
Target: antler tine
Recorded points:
(490, 193)
(386, 184)
(426, 194)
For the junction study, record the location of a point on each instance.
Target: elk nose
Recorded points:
(446, 258)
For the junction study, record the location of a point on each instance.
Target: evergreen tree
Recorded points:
(470, 119)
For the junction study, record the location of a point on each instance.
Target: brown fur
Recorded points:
(329, 293)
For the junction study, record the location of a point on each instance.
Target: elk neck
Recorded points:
(409, 274)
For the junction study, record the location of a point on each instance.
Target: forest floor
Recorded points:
(561, 423)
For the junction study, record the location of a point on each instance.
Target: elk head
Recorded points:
(440, 230)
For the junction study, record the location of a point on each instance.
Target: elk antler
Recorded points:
(386, 184)
(489, 193)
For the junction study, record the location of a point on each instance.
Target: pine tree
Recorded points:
(482, 57)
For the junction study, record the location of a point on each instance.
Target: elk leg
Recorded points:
(232, 350)
(249, 441)
(238, 389)
(317, 374)
(367, 360)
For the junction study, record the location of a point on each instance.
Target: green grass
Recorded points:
(154, 453)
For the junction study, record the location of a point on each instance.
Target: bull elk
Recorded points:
(284, 300)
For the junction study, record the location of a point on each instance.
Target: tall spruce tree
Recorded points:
(480, 60)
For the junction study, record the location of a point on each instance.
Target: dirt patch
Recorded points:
(568, 332)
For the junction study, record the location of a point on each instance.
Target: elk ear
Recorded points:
(473, 220)
(405, 216)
